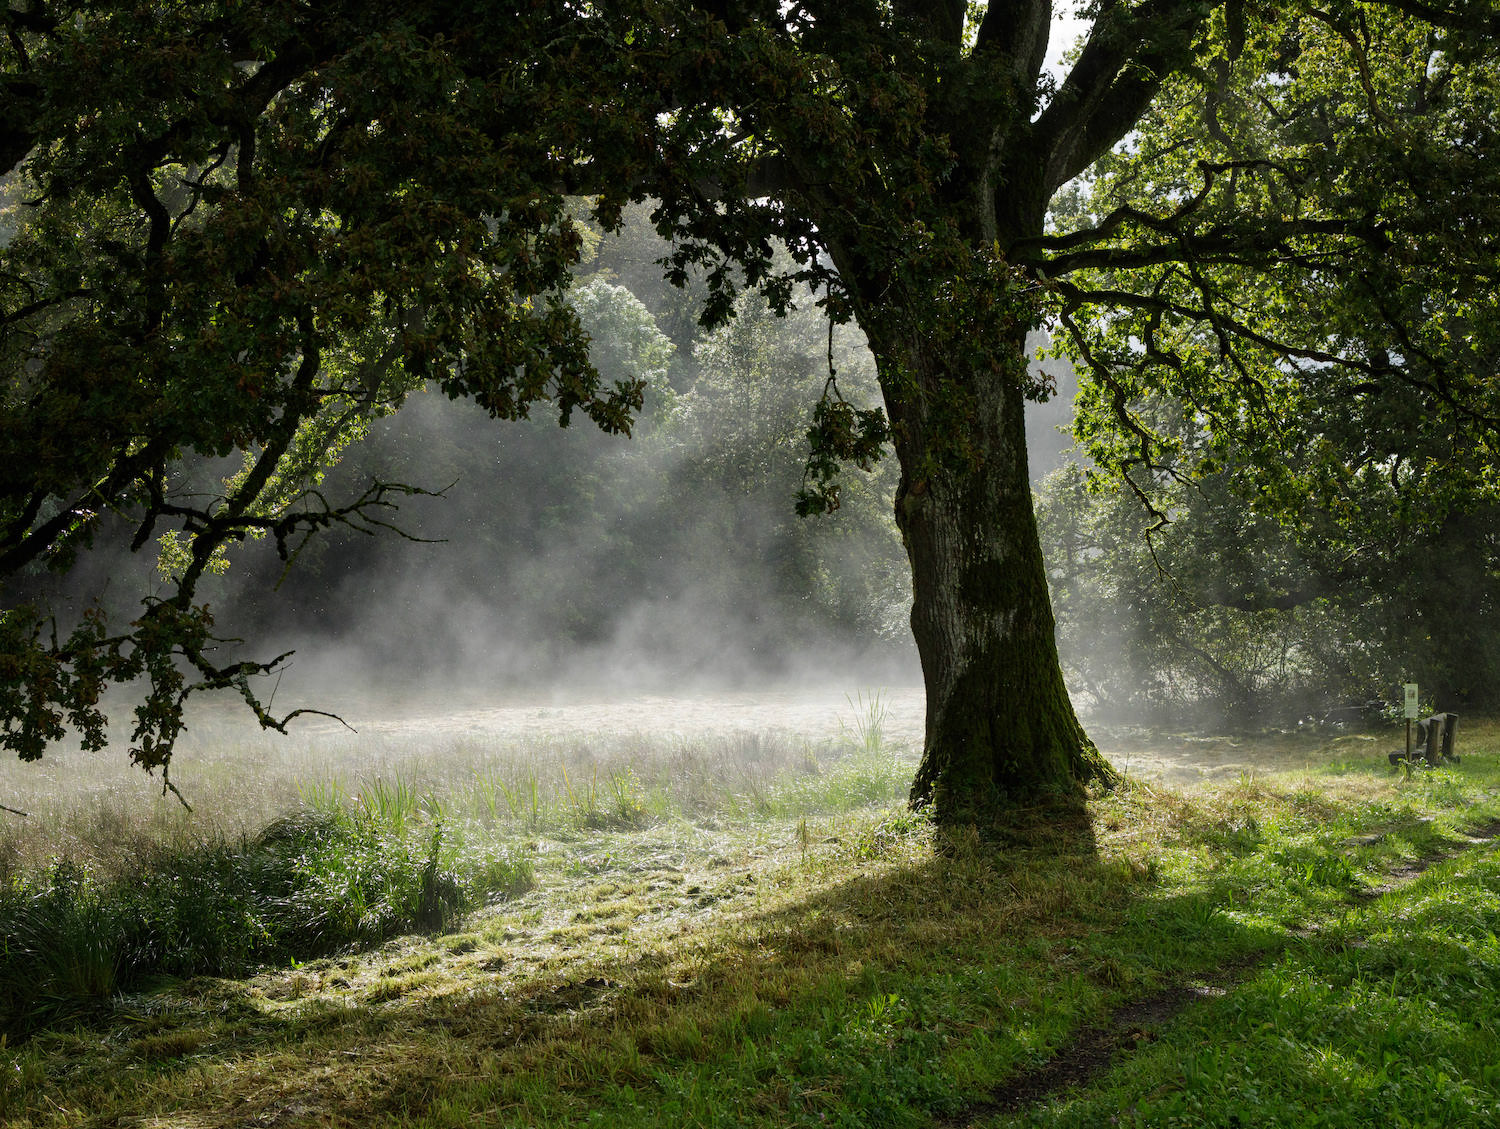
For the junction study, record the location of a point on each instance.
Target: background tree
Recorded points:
(1231, 615)
(1329, 472)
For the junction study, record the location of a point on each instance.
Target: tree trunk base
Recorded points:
(989, 767)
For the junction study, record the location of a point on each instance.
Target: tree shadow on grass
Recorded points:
(895, 977)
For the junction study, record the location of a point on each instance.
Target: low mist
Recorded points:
(563, 562)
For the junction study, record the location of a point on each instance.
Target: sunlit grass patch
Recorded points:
(1385, 1011)
(1387, 1017)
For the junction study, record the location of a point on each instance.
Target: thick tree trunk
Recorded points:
(1001, 731)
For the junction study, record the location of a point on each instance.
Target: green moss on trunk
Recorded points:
(1005, 738)
(1001, 731)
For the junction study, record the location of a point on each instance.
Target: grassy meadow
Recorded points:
(744, 929)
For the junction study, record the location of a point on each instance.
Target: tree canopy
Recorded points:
(1299, 247)
(245, 231)
(1316, 417)
(252, 228)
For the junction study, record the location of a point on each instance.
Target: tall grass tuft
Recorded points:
(313, 882)
(866, 733)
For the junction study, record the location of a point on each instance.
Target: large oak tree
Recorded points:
(253, 226)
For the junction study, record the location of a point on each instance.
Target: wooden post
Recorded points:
(1411, 699)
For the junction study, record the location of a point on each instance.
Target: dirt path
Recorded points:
(1094, 1049)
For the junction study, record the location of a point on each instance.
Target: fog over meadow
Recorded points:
(564, 566)
(563, 562)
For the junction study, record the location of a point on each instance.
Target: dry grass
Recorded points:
(98, 810)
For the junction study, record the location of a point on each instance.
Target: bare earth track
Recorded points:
(1094, 1049)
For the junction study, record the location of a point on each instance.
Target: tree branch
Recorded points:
(1263, 246)
(1017, 32)
(1129, 54)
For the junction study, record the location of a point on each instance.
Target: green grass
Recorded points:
(312, 883)
(1385, 1017)
(774, 941)
(359, 859)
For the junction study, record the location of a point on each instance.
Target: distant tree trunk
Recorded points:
(1001, 731)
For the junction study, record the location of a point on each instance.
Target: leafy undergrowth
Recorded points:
(843, 966)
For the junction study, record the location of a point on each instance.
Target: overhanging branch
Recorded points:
(1128, 56)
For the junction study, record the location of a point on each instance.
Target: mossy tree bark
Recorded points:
(1001, 731)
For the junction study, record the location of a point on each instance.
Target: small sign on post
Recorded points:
(1410, 692)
